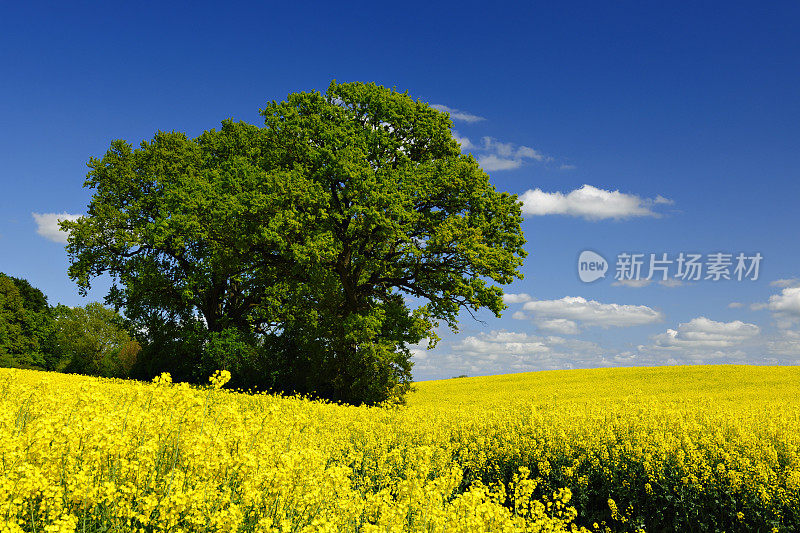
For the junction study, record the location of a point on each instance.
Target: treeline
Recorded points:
(90, 340)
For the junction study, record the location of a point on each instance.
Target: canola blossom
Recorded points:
(705, 448)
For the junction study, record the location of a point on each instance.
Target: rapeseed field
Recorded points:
(702, 448)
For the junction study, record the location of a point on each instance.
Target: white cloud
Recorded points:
(530, 153)
(703, 333)
(625, 358)
(465, 143)
(491, 162)
(519, 315)
(593, 313)
(458, 115)
(786, 343)
(632, 283)
(787, 282)
(567, 167)
(735, 305)
(502, 342)
(670, 283)
(502, 149)
(590, 203)
(664, 201)
(785, 307)
(496, 155)
(419, 354)
(501, 352)
(48, 225)
(558, 325)
(511, 298)
(702, 356)
(706, 341)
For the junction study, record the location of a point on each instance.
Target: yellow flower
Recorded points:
(220, 378)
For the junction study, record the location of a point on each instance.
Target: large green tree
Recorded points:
(297, 244)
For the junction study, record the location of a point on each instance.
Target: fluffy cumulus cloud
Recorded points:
(558, 325)
(496, 155)
(502, 342)
(704, 333)
(590, 203)
(499, 352)
(512, 298)
(457, 115)
(47, 225)
(557, 343)
(492, 162)
(465, 143)
(706, 341)
(785, 307)
(698, 341)
(592, 313)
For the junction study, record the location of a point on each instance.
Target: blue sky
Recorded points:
(665, 129)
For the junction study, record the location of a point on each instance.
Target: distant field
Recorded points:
(737, 384)
(702, 448)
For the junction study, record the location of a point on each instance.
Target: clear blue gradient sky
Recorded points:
(682, 119)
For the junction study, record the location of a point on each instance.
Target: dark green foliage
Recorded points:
(87, 340)
(26, 326)
(170, 346)
(284, 253)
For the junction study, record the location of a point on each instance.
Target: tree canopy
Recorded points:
(92, 340)
(26, 325)
(299, 245)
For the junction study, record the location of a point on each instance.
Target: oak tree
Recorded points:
(318, 248)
